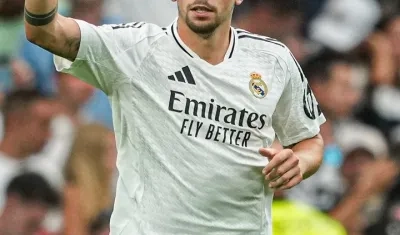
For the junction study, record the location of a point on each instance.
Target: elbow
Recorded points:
(40, 35)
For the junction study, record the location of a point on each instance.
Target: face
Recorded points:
(37, 128)
(340, 94)
(75, 91)
(204, 16)
(353, 164)
(29, 216)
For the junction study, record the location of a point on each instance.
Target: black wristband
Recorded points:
(40, 20)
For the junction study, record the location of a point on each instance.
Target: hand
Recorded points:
(283, 170)
(377, 176)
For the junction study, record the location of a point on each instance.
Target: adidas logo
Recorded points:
(180, 77)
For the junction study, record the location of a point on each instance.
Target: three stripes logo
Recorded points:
(180, 77)
(136, 25)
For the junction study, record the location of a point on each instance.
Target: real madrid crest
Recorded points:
(257, 86)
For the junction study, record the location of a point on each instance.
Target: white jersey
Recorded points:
(188, 132)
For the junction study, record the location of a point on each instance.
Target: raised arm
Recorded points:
(48, 29)
(105, 56)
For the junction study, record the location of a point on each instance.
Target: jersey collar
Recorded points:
(173, 28)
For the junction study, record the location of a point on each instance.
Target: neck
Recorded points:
(211, 47)
(10, 147)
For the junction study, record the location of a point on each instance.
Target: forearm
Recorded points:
(50, 30)
(40, 8)
(348, 208)
(309, 152)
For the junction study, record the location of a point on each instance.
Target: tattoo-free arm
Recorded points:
(310, 154)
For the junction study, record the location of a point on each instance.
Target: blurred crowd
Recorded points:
(57, 149)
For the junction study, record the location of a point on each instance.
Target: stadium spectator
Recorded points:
(71, 96)
(284, 22)
(389, 219)
(329, 78)
(367, 171)
(28, 199)
(385, 56)
(89, 174)
(338, 85)
(27, 116)
(96, 107)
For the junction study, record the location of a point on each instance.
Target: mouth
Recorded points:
(201, 9)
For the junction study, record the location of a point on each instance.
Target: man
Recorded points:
(29, 197)
(389, 220)
(284, 22)
(337, 83)
(27, 116)
(189, 150)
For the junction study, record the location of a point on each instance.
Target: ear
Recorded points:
(238, 2)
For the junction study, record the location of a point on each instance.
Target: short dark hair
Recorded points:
(21, 99)
(32, 187)
(318, 67)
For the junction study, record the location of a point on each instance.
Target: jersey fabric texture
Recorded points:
(188, 132)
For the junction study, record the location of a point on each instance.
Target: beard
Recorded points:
(202, 28)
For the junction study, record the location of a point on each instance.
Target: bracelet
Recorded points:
(40, 20)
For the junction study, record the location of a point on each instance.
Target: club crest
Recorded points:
(257, 86)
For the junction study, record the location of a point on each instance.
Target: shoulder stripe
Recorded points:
(261, 39)
(165, 30)
(136, 25)
(298, 67)
(244, 32)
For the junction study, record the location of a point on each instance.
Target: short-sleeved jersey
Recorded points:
(188, 132)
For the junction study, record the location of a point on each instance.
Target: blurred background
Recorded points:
(57, 150)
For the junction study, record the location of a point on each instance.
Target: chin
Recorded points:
(202, 27)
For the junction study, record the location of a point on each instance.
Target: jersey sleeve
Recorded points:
(109, 53)
(297, 115)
